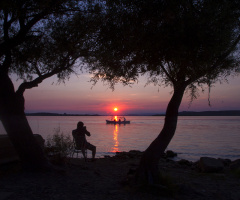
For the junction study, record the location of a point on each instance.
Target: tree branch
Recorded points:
(19, 38)
(6, 64)
(24, 29)
(37, 71)
(40, 78)
(219, 60)
(6, 26)
(167, 74)
(226, 54)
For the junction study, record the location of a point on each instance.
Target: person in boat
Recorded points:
(79, 135)
(119, 120)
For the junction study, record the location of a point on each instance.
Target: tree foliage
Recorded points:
(38, 38)
(192, 42)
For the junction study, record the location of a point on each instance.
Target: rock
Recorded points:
(226, 162)
(235, 165)
(107, 156)
(195, 166)
(170, 154)
(135, 153)
(130, 154)
(209, 165)
(122, 155)
(184, 162)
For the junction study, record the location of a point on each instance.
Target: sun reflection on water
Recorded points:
(115, 138)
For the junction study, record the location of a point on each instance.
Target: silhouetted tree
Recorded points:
(184, 44)
(37, 41)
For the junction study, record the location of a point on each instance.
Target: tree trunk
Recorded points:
(148, 169)
(16, 125)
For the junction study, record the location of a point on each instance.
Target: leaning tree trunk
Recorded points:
(16, 125)
(148, 168)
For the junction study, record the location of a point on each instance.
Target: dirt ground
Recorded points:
(107, 178)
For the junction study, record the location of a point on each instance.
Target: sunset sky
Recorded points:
(77, 97)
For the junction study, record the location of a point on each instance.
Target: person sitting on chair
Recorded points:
(79, 136)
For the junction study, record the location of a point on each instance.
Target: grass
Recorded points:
(58, 147)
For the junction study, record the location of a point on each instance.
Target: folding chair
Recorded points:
(78, 147)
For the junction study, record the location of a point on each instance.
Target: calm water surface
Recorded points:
(195, 136)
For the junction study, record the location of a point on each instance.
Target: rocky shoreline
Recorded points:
(107, 178)
(204, 164)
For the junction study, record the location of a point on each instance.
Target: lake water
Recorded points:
(195, 137)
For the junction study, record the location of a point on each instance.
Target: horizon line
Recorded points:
(181, 113)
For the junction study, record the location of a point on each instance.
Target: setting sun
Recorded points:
(115, 109)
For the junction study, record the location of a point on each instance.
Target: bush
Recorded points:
(58, 146)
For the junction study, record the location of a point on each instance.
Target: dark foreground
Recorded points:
(107, 178)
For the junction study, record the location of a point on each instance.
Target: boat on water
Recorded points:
(118, 120)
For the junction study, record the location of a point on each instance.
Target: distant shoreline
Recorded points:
(210, 113)
(58, 114)
(183, 113)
